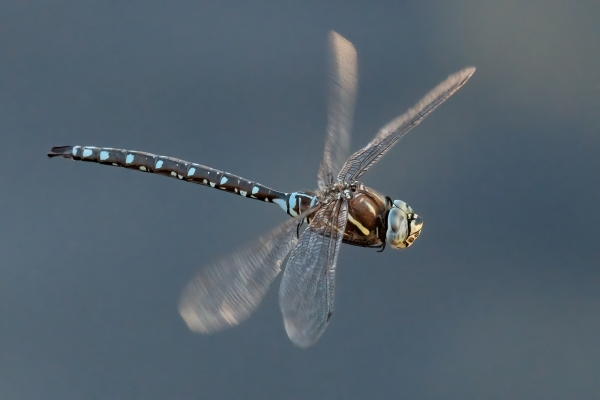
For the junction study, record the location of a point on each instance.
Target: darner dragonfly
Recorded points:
(340, 210)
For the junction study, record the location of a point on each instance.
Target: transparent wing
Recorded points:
(362, 160)
(307, 288)
(227, 291)
(341, 97)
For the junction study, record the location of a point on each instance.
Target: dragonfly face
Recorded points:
(404, 226)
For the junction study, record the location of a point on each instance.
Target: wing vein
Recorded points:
(359, 162)
(341, 95)
(307, 289)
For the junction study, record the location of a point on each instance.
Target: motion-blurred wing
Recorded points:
(308, 285)
(362, 160)
(227, 291)
(341, 97)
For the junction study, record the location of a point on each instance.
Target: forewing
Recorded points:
(341, 97)
(362, 160)
(307, 288)
(227, 291)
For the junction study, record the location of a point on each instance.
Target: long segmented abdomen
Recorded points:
(174, 168)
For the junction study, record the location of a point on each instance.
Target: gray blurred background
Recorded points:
(498, 299)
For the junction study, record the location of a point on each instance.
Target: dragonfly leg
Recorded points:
(298, 228)
(381, 233)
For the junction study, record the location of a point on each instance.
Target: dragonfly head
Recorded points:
(403, 225)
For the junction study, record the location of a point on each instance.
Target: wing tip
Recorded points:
(466, 74)
(192, 320)
(300, 338)
(337, 40)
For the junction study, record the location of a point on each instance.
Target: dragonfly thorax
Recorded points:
(335, 191)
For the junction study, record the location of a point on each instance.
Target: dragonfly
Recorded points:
(341, 210)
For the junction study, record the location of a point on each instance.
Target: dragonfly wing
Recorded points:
(341, 97)
(307, 288)
(362, 160)
(227, 291)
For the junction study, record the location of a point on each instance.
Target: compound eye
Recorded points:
(395, 220)
(403, 206)
(397, 229)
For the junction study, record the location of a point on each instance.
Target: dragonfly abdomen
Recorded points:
(298, 202)
(173, 167)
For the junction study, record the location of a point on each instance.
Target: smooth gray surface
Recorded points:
(498, 299)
